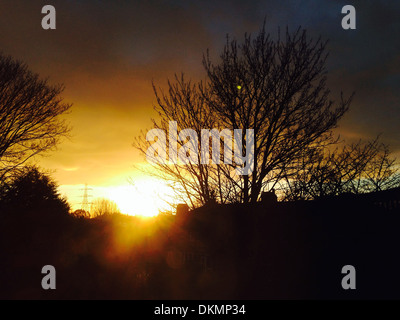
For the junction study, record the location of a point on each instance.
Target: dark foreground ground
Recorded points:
(261, 251)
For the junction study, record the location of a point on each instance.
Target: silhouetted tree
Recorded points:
(382, 171)
(276, 87)
(31, 190)
(102, 206)
(30, 112)
(356, 168)
(192, 182)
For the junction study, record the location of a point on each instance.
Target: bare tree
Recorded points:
(102, 206)
(382, 172)
(356, 168)
(185, 105)
(30, 112)
(276, 87)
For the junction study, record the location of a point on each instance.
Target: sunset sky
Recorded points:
(107, 53)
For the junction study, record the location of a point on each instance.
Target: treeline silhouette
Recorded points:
(265, 250)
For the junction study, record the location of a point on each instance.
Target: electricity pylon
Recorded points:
(85, 198)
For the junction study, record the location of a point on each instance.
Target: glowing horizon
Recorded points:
(145, 197)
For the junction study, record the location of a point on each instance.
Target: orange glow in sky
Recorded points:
(145, 196)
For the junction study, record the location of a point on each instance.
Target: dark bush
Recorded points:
(31, 190)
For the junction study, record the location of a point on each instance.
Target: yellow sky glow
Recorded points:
(145, 196)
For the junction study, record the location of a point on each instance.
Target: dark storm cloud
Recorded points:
(366, 60)
(103, 37)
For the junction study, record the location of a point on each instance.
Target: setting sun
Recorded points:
(145, 197)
